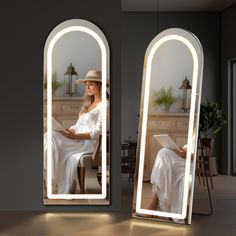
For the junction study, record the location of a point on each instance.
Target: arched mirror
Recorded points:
(76, 115)
(168, 127)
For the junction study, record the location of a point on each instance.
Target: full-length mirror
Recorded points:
(76, 115)
(168, 127)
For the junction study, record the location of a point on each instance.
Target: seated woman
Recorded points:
(166, 178)
(81, 138)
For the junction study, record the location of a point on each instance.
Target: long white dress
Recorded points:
(167, 179)
(66, 152)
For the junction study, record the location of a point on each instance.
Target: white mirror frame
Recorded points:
(196, 51)
(60, 30)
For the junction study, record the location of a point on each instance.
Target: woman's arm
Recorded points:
(181, 153)
(97, 130)
(72, 135)
(93, 134)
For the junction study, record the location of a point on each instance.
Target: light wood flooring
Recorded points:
(222, 222)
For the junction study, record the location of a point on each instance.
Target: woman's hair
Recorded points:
(88, 100)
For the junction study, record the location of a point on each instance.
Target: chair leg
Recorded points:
(203, 178)
(199, 179)
(81, 177)
(210, 173)
(209, 196)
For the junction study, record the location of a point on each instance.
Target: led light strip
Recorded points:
(49, 114)
(144, 127)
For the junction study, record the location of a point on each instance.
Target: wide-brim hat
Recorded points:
(92, 75)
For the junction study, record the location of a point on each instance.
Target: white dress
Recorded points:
(66, 152)
(168, 179)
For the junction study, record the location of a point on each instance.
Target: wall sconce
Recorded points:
(72, 76)
(186, 95)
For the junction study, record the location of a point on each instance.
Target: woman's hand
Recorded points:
(181, 153)
(72, 130)
(70, 134)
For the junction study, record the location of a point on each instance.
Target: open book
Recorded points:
(166, 141)
(56, 126)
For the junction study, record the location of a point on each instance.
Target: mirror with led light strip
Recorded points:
(76, 115)
(169, 117)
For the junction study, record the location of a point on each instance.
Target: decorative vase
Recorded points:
(166, 107)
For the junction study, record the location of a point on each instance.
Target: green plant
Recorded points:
(212, 119)
(164, 97)
(55, 82)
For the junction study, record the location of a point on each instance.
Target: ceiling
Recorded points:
(176, 5)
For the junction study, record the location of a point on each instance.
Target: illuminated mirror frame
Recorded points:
(78, 25)
(195, 48)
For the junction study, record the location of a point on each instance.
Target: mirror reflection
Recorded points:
(168, 149)
(76, 128)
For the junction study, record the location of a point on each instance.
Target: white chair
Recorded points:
(88, 160)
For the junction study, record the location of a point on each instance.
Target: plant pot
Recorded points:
(165, 107)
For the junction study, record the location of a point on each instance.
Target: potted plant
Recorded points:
(164, 98)
(211, 121)
(56, 84)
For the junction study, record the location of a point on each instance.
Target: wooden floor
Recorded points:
(222, 222)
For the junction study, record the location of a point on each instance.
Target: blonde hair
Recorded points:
(88, 100)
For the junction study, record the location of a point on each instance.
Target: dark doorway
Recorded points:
(232, 115)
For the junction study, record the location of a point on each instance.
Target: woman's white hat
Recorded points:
(92, 75)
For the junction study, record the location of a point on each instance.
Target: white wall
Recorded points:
(81, 50)
(171, 63)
